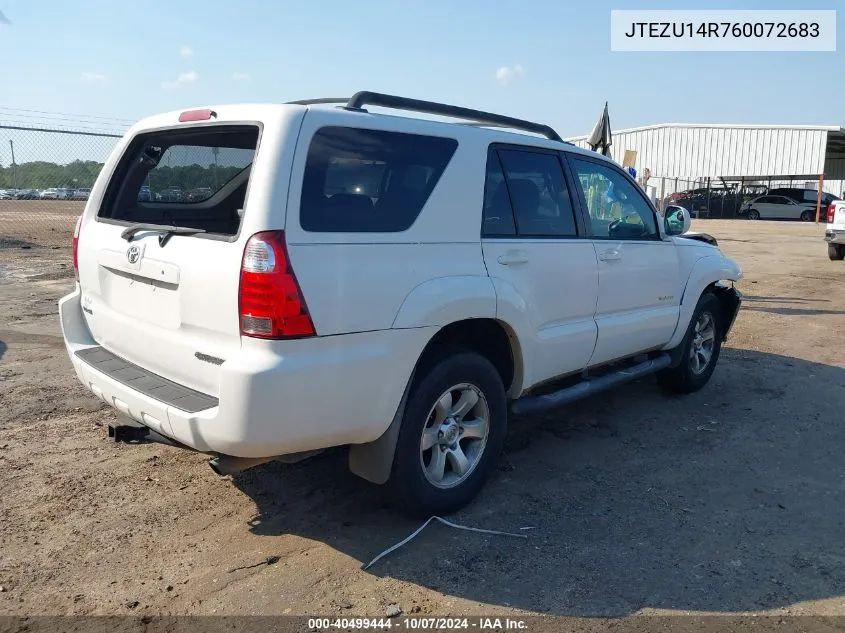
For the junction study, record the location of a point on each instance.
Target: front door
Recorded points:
(639, 281)
(543, 268)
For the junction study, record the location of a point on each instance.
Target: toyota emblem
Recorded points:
(133, 254)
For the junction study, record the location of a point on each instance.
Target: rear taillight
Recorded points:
(830, 211)
(270, 299)
(76, 247)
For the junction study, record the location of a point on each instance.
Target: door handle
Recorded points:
(513, 257)
(610, 255)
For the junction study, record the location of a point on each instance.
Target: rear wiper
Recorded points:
(166, 231)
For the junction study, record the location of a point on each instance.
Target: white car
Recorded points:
(834, 233)
(391, 283)
(778, 208)
(49, 194)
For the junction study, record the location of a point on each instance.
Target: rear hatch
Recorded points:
(159, 268)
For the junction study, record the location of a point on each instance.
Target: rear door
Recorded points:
(170, 303)
(536, 254)
(639, 280)
(765, 207)
(784, 208)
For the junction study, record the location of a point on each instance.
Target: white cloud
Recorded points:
(240, 76)
(506, 74)
(186, 52)
(182, 80)
(94, 77)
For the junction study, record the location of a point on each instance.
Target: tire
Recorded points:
(693, 373)
(808, 216)
(415, 467)
(836, 252)
(753, 214)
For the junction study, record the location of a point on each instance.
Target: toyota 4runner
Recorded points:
(395, 284)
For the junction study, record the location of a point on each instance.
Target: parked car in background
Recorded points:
(144, 194)
(172, 194)
(49, 194)
(198, 195)
(26, 194)
(778, 208)
(6, 194)
(834, 233)
(804, 195)
(80, 194)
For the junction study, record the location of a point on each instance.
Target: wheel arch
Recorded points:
(489, 337)
(707, 274)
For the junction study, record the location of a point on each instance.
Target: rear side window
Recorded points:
(369, 181)
(526, 194)
(195, 178)
(497, 216)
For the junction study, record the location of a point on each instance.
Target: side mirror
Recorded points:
(676, 220)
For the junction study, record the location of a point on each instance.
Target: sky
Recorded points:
(103, 64)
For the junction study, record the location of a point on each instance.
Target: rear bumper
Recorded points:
(834, 236)
(274, 398)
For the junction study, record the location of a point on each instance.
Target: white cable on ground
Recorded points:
(445, 522)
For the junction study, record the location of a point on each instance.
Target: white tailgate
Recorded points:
(174, 311)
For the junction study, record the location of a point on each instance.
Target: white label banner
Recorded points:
(723, 30)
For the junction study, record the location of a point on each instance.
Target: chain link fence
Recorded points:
(46, 175)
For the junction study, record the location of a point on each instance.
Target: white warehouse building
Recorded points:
(688, 156)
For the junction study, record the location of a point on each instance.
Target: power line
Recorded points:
(34, 127)
(41, 120)
(65, 114)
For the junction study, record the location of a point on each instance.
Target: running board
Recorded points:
(590, 386)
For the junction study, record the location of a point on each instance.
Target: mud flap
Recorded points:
(731, 300)
(373, 461)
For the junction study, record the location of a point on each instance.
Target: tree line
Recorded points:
(81, 174)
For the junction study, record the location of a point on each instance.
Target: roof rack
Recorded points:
(318, 101)
(476, 117)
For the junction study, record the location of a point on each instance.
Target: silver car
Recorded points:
(778, 208)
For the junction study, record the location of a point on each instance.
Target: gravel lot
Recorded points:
(729, 500)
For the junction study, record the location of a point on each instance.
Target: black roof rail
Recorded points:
(318, 101)
(475, 117)
(360, 99)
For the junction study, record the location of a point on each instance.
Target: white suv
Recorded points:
(390, 283)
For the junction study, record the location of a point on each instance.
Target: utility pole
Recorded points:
(14, 166)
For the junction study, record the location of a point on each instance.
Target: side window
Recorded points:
(617, 210)
(369, 181)
(497, 214)
(538, 194)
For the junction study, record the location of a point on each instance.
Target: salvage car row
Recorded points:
(52, 193)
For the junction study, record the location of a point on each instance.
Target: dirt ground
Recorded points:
(729, 500)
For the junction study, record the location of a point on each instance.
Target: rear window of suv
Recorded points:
(195, 178)
(369, 181)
